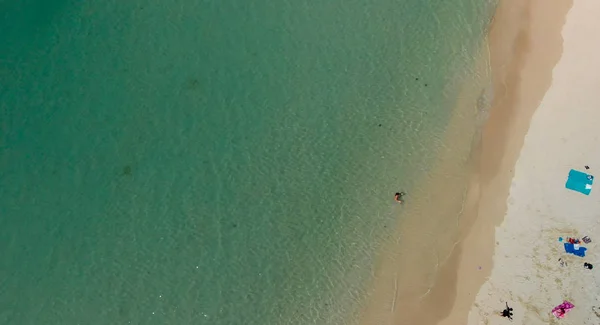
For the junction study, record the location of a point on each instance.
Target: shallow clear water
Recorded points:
(210, 162)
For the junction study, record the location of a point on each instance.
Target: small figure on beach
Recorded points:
(588, 266)
(507, 312)
(398, 197)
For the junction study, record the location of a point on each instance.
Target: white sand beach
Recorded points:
(563, 135)
(545, 63)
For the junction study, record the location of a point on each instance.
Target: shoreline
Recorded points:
(523, 56)
(404, 277)
(532, 271)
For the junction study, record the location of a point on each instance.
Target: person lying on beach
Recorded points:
(507, 312)
(398, 197)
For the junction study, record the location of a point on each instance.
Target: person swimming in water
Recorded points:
(398, 197)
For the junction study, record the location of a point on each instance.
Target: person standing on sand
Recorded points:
(507, 312)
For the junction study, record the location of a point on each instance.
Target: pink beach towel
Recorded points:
(561, 310)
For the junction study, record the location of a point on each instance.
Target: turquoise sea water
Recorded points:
(214, 162)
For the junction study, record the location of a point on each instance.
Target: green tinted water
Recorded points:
(209, 162)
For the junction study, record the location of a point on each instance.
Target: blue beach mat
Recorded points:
(569, 248)
(580, 182)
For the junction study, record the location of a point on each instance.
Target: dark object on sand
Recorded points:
(586, 239)
(586, 167)
(507, 312)
(588, 266)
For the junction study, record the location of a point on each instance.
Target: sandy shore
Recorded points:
(525, 43)
(519, 235)
(563, 134)
(539, 209)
